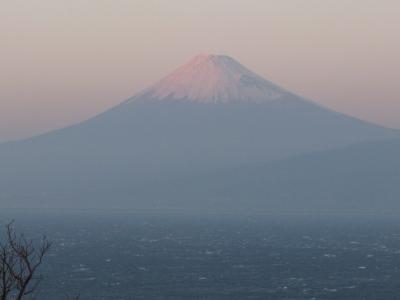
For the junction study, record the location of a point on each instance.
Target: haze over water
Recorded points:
(115, 255)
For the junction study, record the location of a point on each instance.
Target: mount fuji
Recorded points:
(210, 114)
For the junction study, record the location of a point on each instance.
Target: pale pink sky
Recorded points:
(62, 61)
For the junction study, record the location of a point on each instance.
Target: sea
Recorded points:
(121, 255)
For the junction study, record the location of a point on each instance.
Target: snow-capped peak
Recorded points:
(213, 79)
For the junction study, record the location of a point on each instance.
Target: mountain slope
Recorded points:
(210, 114)
(358, 178)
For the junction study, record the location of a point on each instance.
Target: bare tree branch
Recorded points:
(20, 259)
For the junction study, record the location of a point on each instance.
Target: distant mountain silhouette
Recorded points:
(210, 114)
(357, 178)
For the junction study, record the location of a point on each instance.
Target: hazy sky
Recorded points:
(62, 61)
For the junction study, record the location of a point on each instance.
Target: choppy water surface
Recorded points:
(184, 256)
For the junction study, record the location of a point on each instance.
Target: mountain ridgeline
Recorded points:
(213, 134)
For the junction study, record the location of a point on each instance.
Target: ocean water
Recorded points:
(115, 255)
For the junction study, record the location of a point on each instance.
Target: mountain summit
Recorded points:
(214, 79)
